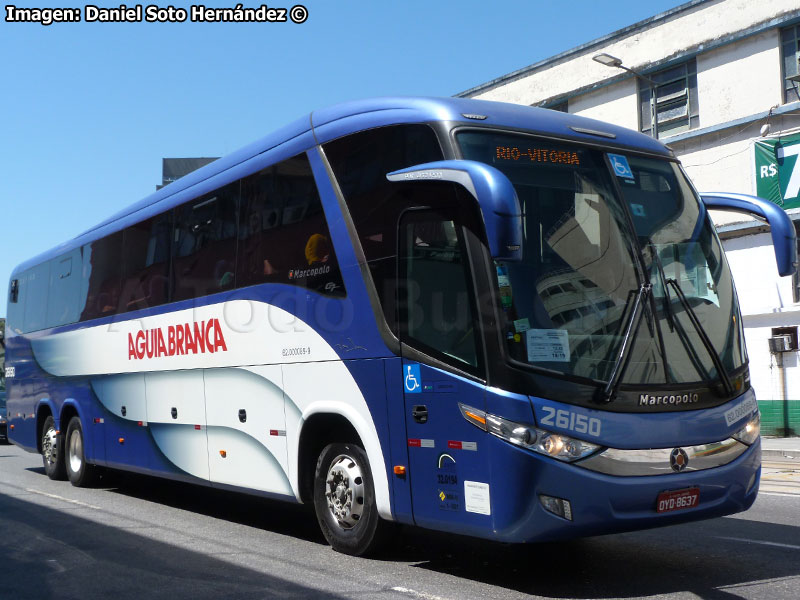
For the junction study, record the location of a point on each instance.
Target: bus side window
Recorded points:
(435, 288)
(38, 282)
(146, 263)
(204, 244)
(15, 315)
(360, 163)
(283, 233)
(101, 277)
(260, 218)
(64, 289)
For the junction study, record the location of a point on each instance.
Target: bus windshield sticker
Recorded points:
(637, 210)
(621, 166)
(476, 497)
(504, 284)
(522, 325)
(547, 345)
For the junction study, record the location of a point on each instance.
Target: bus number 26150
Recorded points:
(566, 419)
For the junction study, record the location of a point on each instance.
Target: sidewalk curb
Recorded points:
(793, 455)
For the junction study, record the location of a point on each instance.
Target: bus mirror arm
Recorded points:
(493, 191)
(784, 239)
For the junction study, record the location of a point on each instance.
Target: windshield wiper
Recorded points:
(712, 352)
(663, 279)
(674, 325)
(631, 326)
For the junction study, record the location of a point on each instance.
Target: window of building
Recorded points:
(676, 100)
(790, 53)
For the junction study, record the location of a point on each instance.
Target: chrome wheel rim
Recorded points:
(75, 451)
(50, 446)
(345, 491)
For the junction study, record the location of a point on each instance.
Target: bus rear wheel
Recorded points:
(344, 500)
(79, 472)
(52, 450)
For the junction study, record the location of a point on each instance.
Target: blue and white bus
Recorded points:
(489, 319)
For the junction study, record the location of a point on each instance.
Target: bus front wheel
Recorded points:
(79, 472)
(52, 450)
(344, 500)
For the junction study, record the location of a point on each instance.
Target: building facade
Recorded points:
(720, 80)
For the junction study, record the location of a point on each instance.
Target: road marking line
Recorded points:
(762, 543)
(56, 497)
(760, 493)
(416, 594)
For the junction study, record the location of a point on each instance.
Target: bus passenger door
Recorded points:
(448, 467)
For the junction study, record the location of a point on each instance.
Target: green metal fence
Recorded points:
(780, 417)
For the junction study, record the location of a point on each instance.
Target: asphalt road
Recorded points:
(140, 538)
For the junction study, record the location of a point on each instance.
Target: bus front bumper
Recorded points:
(600, 503)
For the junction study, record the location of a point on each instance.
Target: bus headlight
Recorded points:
(750, 432)
(556, 445)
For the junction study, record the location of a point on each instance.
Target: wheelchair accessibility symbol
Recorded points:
(413, 381)
(621, 166)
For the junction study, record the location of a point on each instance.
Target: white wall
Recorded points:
(614, 103)
(761, 290)
(740, 79)
(720, 162)
(766, 302)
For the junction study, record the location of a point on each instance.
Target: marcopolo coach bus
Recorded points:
(489, 319)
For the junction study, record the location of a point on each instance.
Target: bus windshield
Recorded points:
(598, 227)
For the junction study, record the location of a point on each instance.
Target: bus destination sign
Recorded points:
(537, 155)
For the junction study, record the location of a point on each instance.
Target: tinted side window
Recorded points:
(17, 295)
(146, 263)
(360, 163)
(204, 248)
(436, 306)
(36, 284)
(64, 289)
(284, 236)
(101, 275)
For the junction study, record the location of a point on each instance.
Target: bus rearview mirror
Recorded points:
(784, 239)
(491, 189)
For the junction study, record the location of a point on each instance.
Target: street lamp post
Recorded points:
(613, 61)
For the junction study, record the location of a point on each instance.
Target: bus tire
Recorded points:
(52, 450)
(79, 472)
(344, 500)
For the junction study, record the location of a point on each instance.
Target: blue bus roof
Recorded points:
(330, 123)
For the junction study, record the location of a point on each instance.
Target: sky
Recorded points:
(89, 109)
